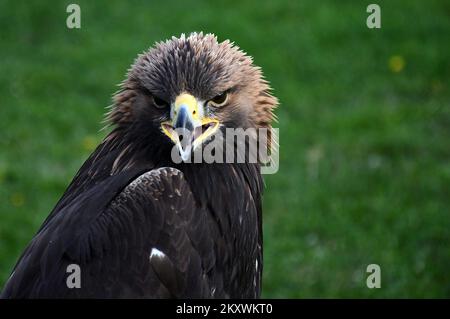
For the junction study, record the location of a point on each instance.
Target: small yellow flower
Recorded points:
(396, 63)
(17, 199)
(89, 143)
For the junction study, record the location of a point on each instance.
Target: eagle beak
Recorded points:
(188, 127)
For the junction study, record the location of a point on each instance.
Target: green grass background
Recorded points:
(364, 128)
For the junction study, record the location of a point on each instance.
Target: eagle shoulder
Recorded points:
(114, 241)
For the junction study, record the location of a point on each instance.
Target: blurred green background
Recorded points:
(364, 128)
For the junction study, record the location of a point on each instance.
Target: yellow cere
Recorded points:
(189, 101)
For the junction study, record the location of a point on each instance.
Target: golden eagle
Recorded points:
(139, 224)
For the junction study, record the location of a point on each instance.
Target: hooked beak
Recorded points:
(188, 127)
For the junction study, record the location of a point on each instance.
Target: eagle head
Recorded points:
(185, 90)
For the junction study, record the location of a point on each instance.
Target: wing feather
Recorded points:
(110, 231)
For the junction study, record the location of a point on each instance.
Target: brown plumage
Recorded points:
(141, 225)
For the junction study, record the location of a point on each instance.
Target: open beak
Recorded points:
(188, 128)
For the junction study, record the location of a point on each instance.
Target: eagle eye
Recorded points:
(159, 103)
(219, 100)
